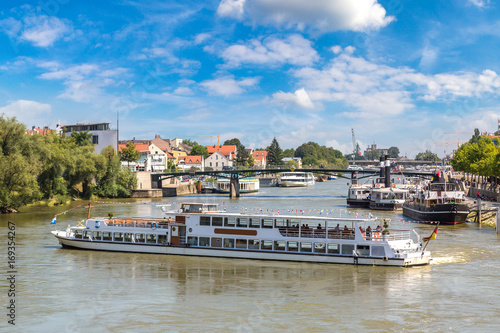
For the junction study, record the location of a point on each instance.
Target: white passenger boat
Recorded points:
(247, 185)
(198, 229)
(296, 179)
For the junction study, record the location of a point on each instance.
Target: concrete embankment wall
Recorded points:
(484, 193)
(182, 189)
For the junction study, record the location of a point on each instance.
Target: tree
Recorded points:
(242, 154)
(19, 166)
(129, 153)
(250, 160)
(275, 154)
(427, 156)
(289, 152)
(373, 154)
(82, 138)
(189, 142)
(475, 137)
(314, 154)
(393, 152)
(199, 150)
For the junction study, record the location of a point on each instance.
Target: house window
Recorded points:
(95, 139)
(216, 157)
(216, 164)
(210, 163)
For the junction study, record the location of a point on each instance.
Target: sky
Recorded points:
(415, 74)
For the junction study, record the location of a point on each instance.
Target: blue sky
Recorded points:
(415, 74)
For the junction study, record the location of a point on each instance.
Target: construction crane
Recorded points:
(354, 144)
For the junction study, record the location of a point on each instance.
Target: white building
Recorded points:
(102, 136)
(187, 162)
(217, 161)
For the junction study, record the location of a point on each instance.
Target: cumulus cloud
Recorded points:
(226, 86)
(39, 30)
(320, 15)
(299, 98)
(294, 49)
(375, 90)
(26, 111)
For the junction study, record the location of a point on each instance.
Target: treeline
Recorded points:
(55, 168)
(479, 156)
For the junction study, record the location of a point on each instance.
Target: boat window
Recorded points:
(78, 234)
(204, 220)
(229, 242)
(139, 238)
(87, 234)
(118, 236)
(229, 221)
(241, 243)
(363, 250)
(192, 241)
(212, 208)
(267, 223)
(333, 248)
(293, 246)
(378, 251)
(217, 221)
(253, 244)
(151, 238)
(267, 245)
(216, 242)
(254, 223)
(204, 241)
(305, 247)
(106, 236)
(242, 222)
(347, 249)
(319, 247)
(295, 222)
(96, 235)
(196, 208)
(280, 223)
(279, 245)
(162, 239)
(128, 237)
(186, 208)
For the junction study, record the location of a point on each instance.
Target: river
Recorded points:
(60, 290)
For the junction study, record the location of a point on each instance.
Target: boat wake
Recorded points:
(448, 260)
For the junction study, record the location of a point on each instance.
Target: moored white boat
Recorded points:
(296, 179)
(198, 229)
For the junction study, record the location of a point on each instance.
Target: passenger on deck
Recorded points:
(346, 228)
(379, 229)
(337, 228)
(307, 226)
(318, 227)
(361, 229)
(164, 220)
(368, 231)
(170, 219)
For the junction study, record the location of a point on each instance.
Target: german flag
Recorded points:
(432, 236)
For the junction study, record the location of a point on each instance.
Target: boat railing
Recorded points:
(145, 223)
(392, 235)
(317, 233)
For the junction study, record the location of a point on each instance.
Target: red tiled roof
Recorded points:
(138, 146)
(259, 155)
(197, 159)
(229, 150)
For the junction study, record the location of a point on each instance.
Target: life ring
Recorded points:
(154, 225)
(378, 185)
(385, 258)
(97, 224)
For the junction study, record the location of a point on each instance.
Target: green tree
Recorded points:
(314, 154)
(289, 152)
(274, 153)
(19, 166)
(129, 153)
(82, 138)
(427, 156)
(475, 137)
(373, 154)
(393, 152)
(250, 160)
(199, 150)
(242, 154)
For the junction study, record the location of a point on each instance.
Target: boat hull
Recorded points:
(295, 184)
(417, 260)
(376, 205)
(362, 203)
(441, 213)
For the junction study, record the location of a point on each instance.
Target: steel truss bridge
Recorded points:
(236, 175)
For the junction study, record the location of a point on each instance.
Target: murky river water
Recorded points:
(59, 290)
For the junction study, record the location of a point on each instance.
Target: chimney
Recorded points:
(387, 171)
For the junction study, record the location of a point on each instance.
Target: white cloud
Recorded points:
(26, 111)
(480, 3)
(299, 98)
(231, 8)
(227, 85)
(44, 31)
(321, 15)
(294, 49)
(183, 91)
(375, 91)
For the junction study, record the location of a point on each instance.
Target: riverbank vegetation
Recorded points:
(55, 169)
